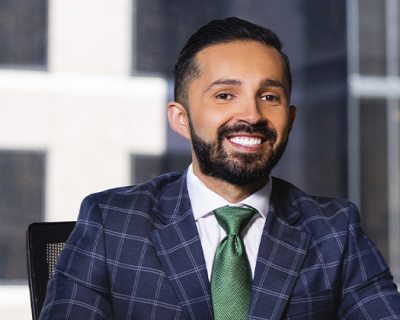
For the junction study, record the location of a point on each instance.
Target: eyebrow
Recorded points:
(274, 83)
(221, 82)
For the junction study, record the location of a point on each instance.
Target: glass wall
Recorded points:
(374, 123)
(23, 43)
(373, 170)
(22, 187)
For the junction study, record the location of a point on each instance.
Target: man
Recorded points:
(166, 250)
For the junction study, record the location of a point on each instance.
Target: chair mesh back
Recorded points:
(45, 240)
(52, 252)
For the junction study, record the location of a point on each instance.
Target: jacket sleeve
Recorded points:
(80, 288)
(368, 288)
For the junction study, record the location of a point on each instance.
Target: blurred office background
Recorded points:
(83, 92)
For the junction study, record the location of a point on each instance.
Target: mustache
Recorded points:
(261, 127)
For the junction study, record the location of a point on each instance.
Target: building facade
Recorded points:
(84, 85)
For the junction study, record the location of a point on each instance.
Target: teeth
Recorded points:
(246, 141)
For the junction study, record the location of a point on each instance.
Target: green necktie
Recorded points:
(231, 275)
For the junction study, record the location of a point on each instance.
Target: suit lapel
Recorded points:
(282, 251)
(178, 246)
(281, 254)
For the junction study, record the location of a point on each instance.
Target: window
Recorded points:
(145, 167)
(374, 170)
(372, 37)
(21, 202)
(374, 121)
(23, 33)
(162, 27)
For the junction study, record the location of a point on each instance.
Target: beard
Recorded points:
(237, 168)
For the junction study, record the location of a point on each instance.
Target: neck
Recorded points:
(230, 192)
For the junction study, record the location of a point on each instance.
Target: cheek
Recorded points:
(282, 125)
(207, 123)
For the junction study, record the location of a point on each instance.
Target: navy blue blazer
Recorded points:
(135, 253)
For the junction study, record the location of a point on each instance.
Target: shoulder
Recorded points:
(135, 198)
(338, 246)
(312, 212)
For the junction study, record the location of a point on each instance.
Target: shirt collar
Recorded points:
(198, 191)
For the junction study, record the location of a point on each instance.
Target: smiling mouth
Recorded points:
(248, 137)
(245, 141)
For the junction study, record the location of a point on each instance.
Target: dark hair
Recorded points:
(216, 32)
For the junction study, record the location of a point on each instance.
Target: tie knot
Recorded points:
(233, 219)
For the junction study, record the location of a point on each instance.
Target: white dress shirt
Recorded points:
(204, 201)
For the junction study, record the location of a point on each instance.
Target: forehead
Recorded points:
(240, 59)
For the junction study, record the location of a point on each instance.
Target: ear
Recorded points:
(178, 119)
(292, 114)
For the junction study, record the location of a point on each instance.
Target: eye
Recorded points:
(270, 98)
(224, 96)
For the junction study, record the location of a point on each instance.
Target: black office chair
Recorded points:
(44, 241)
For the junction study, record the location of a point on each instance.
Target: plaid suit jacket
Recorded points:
(135, 253)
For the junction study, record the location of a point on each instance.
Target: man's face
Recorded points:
(239, 113)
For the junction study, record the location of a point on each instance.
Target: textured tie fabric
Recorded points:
(231, 275)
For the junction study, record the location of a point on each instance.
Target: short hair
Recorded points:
(217, 32)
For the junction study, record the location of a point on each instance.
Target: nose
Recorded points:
(249, 111)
